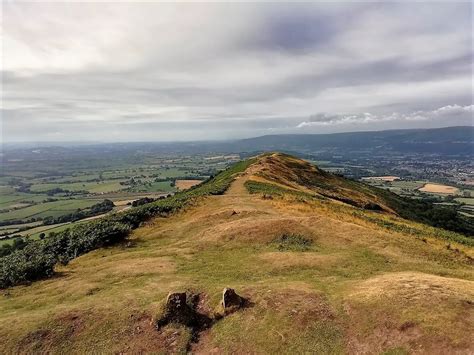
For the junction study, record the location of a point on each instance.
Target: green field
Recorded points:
(466, 200)
(92, 187)
(164, 186)
(53, 209)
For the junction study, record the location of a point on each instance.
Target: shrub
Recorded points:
(28, 264)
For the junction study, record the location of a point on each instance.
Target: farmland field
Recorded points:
(443, 195)
(466, 200)
(382, 178)
(439, 189)
(93, 187)
(53, 209)
(50, 184)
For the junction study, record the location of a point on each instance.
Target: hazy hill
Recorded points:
(442, 141)
(449, 140)
(326, 264)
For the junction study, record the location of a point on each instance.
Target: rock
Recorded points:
(178, 309)
(231, 301)
(176, 301)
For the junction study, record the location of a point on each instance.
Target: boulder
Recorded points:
(178, 309)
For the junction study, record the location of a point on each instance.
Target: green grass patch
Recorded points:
(292, 242)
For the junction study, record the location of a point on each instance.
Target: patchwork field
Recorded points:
(39, 186)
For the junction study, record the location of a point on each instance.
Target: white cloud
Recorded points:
(445, 113)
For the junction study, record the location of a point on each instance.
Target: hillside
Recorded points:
(325, 264)
(443, 141)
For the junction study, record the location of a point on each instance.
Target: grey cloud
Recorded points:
(231, 70)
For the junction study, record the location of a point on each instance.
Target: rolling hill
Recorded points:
(324, 264)
(443, 141)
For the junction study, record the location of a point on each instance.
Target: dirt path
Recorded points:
(237, 187)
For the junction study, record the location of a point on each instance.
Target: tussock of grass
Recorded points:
(292, 242)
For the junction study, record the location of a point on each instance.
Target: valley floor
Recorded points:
(357, 288)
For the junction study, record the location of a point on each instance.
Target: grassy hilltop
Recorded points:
(328, 265)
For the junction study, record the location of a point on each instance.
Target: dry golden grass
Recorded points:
(186, 184)
(411, 310)
(303, 259)
(439, 189)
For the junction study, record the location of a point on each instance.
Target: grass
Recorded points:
(385, 221)
(92, 187)
(292, 242)
(341, 285)
(162, 186)
(18, 197)
(466, 200)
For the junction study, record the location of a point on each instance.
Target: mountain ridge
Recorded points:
(319, 275)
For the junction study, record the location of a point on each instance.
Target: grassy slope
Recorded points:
(360, 287)
(291, 173)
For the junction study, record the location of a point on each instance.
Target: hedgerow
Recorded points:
(38, 258)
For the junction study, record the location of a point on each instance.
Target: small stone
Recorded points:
(231, 300)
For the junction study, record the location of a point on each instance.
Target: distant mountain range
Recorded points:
(442, 141)
(449, 140)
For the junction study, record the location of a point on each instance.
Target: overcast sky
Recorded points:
(161, 72)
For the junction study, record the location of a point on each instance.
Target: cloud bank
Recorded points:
(188, 71)
(440, 115)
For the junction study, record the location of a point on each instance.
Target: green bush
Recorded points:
(28, 264)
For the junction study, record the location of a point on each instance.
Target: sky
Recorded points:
(193, 71)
